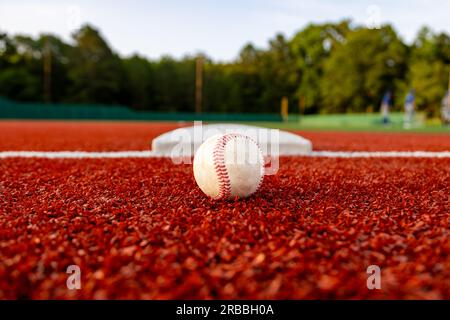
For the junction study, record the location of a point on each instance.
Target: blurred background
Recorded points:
(276, 59)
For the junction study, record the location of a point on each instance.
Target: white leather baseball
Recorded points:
(228, 166)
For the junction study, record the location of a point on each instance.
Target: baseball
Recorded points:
(228, 166)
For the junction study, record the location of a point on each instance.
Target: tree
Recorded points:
(223, 90)
(139, 86)
(358, 71)
(246, 81)
(174, 83)
(95, 72)
(59, 54)
(20, 75)
(430, 59)
(278, 74)
(311, 47)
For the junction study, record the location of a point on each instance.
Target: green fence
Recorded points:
(19, 110)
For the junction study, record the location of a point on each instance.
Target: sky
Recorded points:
(217, 28)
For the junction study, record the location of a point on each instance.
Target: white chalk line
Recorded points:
(151, 154)
(381, 154)
(77, 154)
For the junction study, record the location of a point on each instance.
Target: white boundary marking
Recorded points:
(381, 154)
(77, 154)
(151, 154)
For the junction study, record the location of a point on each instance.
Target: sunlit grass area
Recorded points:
(357, 122)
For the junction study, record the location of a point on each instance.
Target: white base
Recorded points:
(184, 142)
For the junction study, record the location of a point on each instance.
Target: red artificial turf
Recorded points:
(80, 135)
(378, 141)
(141, 228)
(118, 136)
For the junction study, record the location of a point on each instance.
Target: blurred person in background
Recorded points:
(410, 106)
(445, 109)
(386, 104)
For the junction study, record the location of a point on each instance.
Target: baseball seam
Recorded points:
(221, 168)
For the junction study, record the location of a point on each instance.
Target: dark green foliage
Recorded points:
(139, 89)
(311, 48)
(362, 68)
(174, 84)
(429, 67)
(95, 72)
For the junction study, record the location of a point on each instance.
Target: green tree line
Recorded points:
(324, 68)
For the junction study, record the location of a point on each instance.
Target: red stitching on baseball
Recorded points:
(221, 168)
